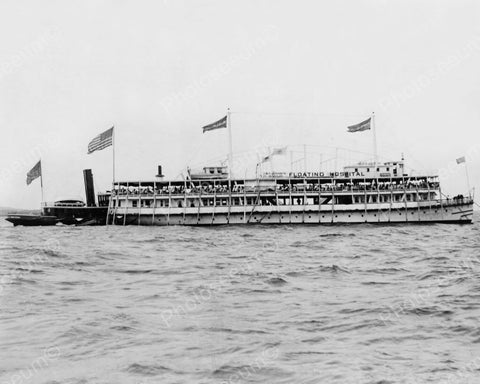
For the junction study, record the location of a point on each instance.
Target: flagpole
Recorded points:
(468, 179)
(304, 158)
(113, 153)
(230, 145)
(374, 131)
(41, 180)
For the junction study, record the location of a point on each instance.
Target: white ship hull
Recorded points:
(339, 214)
(365, 193)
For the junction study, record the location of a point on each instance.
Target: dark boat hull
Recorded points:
(32, 220)
(78, 215)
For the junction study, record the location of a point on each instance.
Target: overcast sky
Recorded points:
(292, 72)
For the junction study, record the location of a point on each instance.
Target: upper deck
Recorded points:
(279, 184)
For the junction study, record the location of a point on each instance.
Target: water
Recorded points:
(257, 304)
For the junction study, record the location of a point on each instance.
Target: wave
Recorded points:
(147, 370)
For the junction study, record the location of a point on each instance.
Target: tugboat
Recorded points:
(69, 212)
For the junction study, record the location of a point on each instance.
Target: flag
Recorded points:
(461, 160)
(102, 141)
(35, 172)
(222, 123)
(363, 126)
(276, 151)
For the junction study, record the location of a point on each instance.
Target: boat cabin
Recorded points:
(370, 169)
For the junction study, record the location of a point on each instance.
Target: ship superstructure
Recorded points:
(361, 193)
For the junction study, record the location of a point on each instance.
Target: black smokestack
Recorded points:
(89, 189)
(159, 174)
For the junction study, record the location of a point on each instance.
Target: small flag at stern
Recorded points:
(461, 160)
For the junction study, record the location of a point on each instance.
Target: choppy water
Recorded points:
(257, 304)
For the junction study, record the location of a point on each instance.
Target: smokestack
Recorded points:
(89, 189)
(160, 174)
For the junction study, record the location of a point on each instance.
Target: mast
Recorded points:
(110, 201)
(304, 158)
(230, 145)
(468, 180)
(374, 131)
(113, 153)
(41, 180)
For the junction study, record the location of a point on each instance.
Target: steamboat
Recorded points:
(362, 193)
(366, 192)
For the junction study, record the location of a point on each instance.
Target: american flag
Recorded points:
(363, 126)
(461, 160)
(102, 141)
(35, 172)
(222, 123)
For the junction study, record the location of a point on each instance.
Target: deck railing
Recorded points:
(240, 190)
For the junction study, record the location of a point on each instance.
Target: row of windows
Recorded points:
(271, 201)
(396, 198)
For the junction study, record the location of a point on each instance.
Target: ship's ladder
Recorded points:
(254, 206)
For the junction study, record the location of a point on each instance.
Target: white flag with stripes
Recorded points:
(102, 141)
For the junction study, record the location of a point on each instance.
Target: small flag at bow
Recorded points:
(461, 160)
(102, 141)
(35, 172)
(222, 123)
(363, 126)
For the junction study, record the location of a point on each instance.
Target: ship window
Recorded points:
(378, 169)
(356, 169)
(212, 171)
(388, 169)
(134, 203)
(368, 169)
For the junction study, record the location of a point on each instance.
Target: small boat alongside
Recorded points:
(31, 220)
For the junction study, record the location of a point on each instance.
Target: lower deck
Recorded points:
(452, 212)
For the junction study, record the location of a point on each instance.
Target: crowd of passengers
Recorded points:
(240, 188)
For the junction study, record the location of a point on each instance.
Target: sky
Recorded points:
(291, 72)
